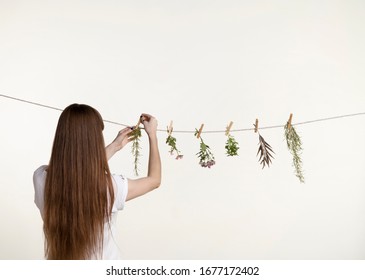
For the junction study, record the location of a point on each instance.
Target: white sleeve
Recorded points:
(39, 181)
(122, 191)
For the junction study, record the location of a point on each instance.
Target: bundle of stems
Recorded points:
(231, 146)
(206, 157)
(264, 150)
(136, 146)
(294, 144)
(171, 141)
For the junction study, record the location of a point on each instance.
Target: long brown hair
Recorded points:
(78, 191)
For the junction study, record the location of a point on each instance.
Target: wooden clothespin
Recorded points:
(256, 125)
(229, 128)
(289, 121)
(200, 131)
(169, 128)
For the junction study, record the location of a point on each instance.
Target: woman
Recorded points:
(77, 195)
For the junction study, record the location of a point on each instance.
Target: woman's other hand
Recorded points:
(150, 124)
(119, 142)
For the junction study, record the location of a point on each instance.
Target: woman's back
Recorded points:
(76, 193)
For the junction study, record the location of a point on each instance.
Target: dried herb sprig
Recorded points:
(294, 144)
(264, 150)
(231, 146)
(206, 157)
(171, 141)
(136, 147)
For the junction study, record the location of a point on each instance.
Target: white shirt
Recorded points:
(110, 247)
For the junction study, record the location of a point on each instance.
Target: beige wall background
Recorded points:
(196, 62)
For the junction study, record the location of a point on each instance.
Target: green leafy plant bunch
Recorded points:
(231, 146)
(294, 144)
(136, 146)
(171, 142)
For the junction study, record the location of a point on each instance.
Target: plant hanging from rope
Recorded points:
(206, 157)
(231, 144)
(264, 149)
(171, 141)
(294, 144)
(136, 146)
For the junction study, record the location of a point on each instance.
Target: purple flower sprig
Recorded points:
(206, 157)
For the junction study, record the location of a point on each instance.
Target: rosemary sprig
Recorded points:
(136, 147)
(294, 144)
(231, 146)
(171, 141)
(264, 150)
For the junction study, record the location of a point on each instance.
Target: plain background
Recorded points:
(196, 62)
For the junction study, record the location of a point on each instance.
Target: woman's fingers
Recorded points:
(146, 117)
(125, 130)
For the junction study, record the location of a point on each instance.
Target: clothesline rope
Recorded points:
(190, 131)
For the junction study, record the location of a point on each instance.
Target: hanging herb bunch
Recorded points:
(294, 144)
(264, 150)
(171, 141)
(231, 144)
(136, 146)
(206, 157)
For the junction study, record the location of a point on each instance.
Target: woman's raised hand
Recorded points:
(150, 124)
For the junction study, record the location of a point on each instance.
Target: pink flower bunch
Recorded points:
(206, 157)
(208, 164)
